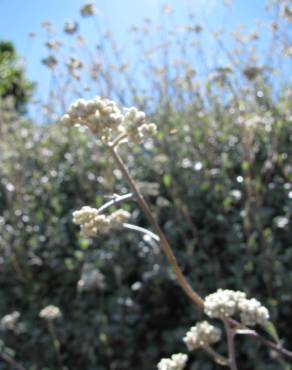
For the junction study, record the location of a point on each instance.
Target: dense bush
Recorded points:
(218, 177)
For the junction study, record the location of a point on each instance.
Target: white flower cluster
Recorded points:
(136, 127)
(91, 222)
(50, 313)
(201, 335)
(252, 312)
(91, 279)
(176, 362)
(225, 303)
(105, 119)
(222, 303)
(8, 322)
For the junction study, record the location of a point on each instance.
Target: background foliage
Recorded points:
(218, 177)
(13, 82)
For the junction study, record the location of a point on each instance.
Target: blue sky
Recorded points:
(19, 17)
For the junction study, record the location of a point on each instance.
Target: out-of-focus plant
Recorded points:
(218, 180)
(106, 122)
(13, 82)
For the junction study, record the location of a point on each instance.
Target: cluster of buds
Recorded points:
(176, 362)
(252, 312)
(201, 335)
(136, 127)
(91, 279)
(91, 222)
(50, 313)
(106, 120)
(225, 303)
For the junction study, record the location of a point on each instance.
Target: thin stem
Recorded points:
(162, 238)
(220, 360)
(276, 347)
(230, 343)
(56, 343)
(115, 200)
(142, 230)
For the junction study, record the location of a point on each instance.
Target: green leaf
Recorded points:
(272, 331)
(166, 180)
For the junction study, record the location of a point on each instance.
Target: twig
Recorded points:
(276, 347)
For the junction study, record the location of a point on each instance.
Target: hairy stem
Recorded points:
(230, 343)
(162, 238)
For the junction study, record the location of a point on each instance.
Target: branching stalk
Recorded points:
(230, 343)
(162, 238)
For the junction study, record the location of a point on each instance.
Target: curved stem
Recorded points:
(162, 238)
(230, 343)
(142, 230)
(115, 200)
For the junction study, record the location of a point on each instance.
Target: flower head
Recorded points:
(107, 121)
(92, 223)
(8, 322)
(252, 312)
(50, 313)
(223, 303)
